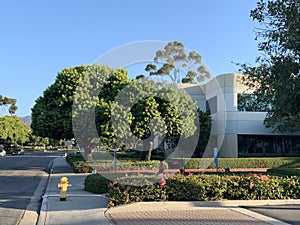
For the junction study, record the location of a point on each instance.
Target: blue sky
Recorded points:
(40, 38)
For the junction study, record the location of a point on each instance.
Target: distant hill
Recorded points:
(26, 119)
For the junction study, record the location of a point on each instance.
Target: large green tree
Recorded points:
(52, 112)
(88, 101)
(115, 83)
(13, 131)
(275, 80)
(178, 64)
(145, 109)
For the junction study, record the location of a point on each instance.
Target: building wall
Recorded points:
(227, 122)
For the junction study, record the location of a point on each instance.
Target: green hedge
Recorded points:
(80, 166)
(107, 165)
(208, 187)
(96, 183)
(288, 162)
(284, 171)
(78, 163)
(124, 194)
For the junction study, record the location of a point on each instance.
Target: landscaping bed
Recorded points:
(79, 164)
(204, 187)
(124, 187)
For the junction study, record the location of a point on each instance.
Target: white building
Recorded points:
(238, 133)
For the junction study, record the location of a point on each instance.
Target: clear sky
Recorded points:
(40, 38)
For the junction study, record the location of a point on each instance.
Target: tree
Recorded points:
(11, 102)
(204, 133)
(145, 109)
(13, 131)
(52, 112)
(115, 83)
(276, 80)
(176, 61)
(88, 101)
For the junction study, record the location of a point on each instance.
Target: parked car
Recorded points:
(3, 153)
(19, 152)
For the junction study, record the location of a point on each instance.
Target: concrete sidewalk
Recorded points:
(192, 213)
(84, 207)
(81, 207)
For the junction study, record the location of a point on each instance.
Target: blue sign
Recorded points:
(216, 161)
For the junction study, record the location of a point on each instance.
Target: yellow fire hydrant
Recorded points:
(63, 186)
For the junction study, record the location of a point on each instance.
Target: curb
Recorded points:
(260, 217)
(43, 207)
(31, 214)
(192, 205)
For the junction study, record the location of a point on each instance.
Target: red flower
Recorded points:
(162, 182)
(251, 184)
(112, 184)
(111, 203)
(264, 177)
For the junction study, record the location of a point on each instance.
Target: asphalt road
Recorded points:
(19, 177)
(286, 213)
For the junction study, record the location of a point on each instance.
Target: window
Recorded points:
(268, 145)
(211, 105)
(250, 102)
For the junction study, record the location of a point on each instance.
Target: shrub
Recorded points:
(96, 183)
(124, 194)
(284, 171)
(81, 167)
(78, 163)
(74, 158)
(289, 162)
(208, 187)
(106, 165)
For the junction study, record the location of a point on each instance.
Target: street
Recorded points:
(19, 177)
(287, 213)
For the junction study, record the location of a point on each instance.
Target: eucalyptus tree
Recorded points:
(178, 64)
(8, 102)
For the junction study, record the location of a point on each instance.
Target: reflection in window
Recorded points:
(250, 102)
(211, 105)
(268, 145)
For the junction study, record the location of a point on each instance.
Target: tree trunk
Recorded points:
(147, 148)
(148, 157)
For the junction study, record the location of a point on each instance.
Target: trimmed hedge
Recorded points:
(124, 194)
(80, 166)
(107, 165)
(96, 183)
(208, 187)
(284, 171)
(78, 163)
(288, 162)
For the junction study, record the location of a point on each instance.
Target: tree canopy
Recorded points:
(52, 112)
(128, 110)
(13, 131)
(178, 64)
(276, 80)
(8, 102)
(146, 109)
(103, 106)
